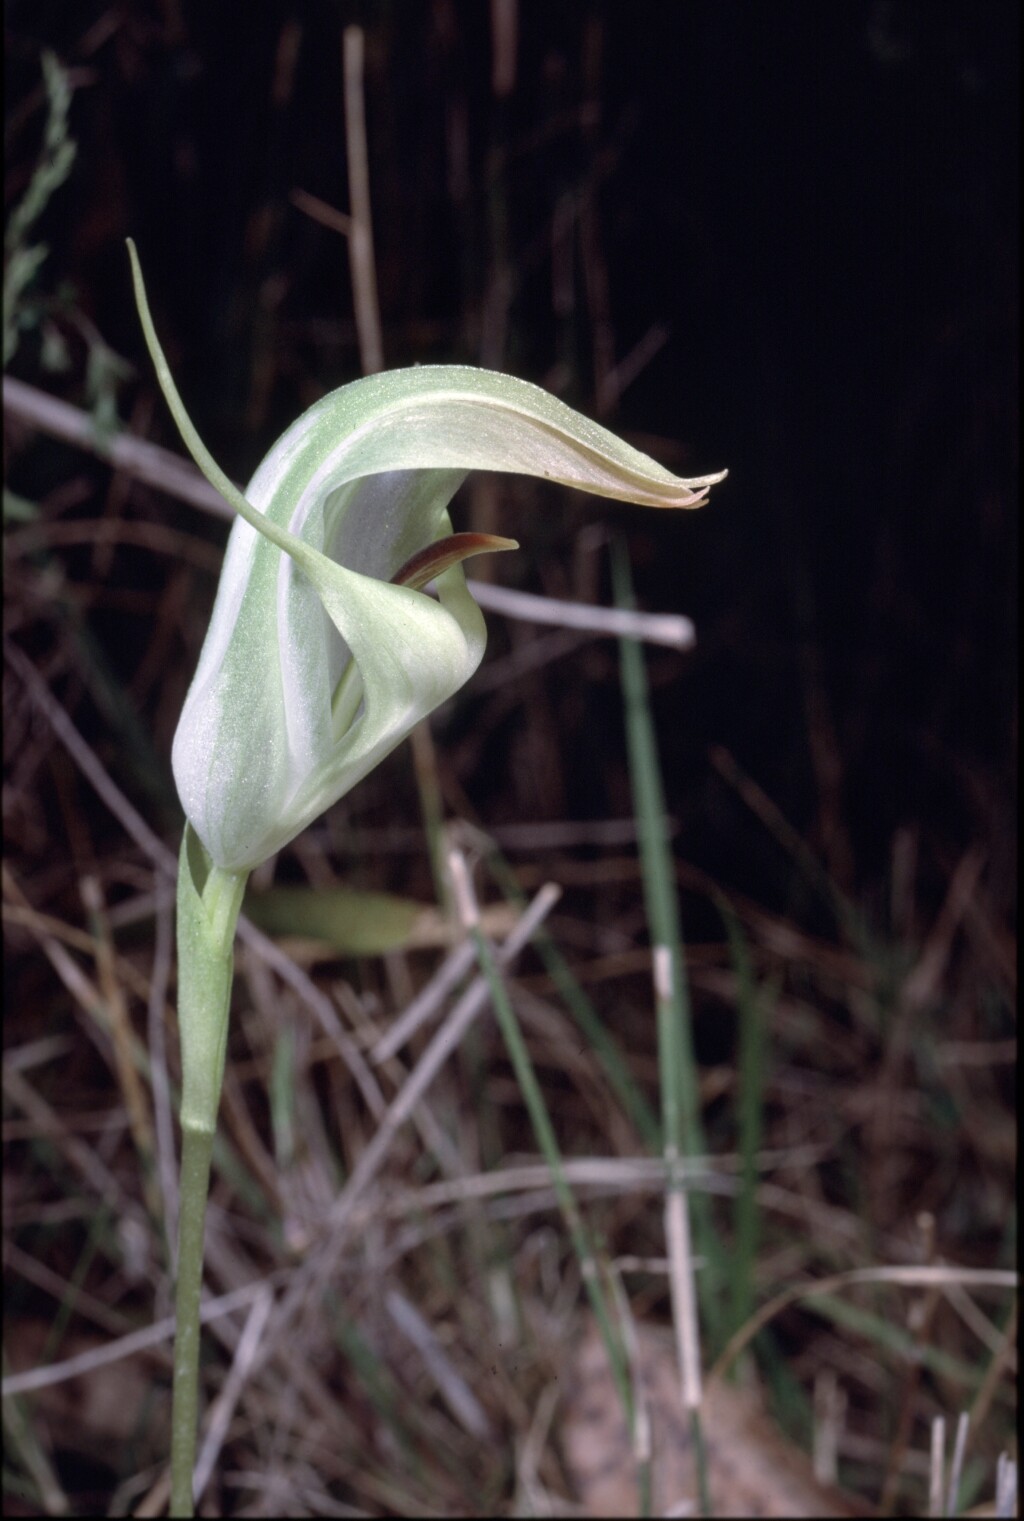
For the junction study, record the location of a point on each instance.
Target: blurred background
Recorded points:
(781, 239)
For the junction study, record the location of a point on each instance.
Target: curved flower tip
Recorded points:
(319, 660)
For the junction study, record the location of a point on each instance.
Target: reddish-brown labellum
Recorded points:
(427, 563)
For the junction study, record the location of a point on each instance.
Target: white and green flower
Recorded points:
(323, 651)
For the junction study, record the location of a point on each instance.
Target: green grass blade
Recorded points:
(677, 1066)
(604, 1045)
(543, 1129)
(683, 1133)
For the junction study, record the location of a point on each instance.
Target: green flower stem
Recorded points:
(209, 900)
(196, 1152)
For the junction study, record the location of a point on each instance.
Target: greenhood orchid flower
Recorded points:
(320, 659)
(308, 678)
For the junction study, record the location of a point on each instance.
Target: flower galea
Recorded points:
(324, 649)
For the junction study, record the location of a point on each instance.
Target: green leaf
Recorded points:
(351, 923)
